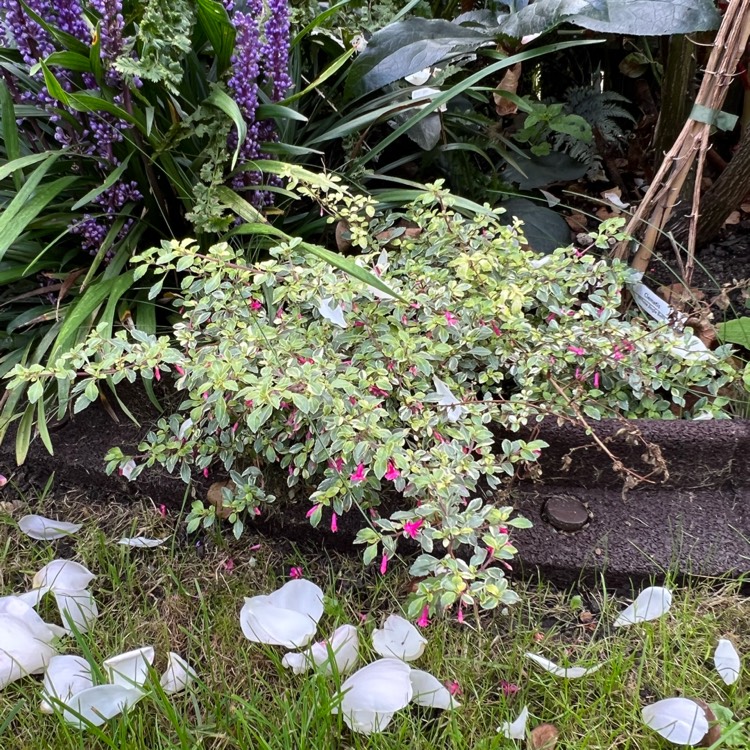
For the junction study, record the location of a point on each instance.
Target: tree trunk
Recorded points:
(723, 197)
(677, 94)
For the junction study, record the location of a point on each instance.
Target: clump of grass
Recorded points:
(186, 598)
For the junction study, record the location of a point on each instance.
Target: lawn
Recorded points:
(185, 597)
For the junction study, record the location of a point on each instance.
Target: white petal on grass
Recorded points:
(288, 617)
(33, 597)
(515, 730)
(430, 692)
(99, 704)
(66, 675)
(178, 676)
(78, 606)
(650, 604)
(63, 575)
(616, 201)
(46, 529)
(679, 720)
(41, 630)
(141, 542)
(334, 314)
(420, 77)
(130, 669)
(21, 652)
(374, 693)
(344, 643)
(446, 398)
(569, 673)
(399, 638)
(727, 661)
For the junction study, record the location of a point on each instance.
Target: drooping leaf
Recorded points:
(214, 24)
(544, 229)
(649, 17)
(735, 331)
(540, 16)
(406, 47)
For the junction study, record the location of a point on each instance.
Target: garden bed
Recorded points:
(696, 520)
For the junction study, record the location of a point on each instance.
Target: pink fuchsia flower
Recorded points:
(596, 380)
(383, 564)
(450, 318)
(312, 510)
(359, 474)
(378, 392)
(157, 374)
(3, 480)
(452, 687)
(205, 472)
(255, 305)
(508, 688)
(296, 572)
(228, 565)
(424, 620)
(496, 329)
(580, 351)
(460, 615)
(337, 464)
(392, 473)
(334, 523)
(439, 437)
(179, 370)
(617, 355)
(255, 548)
(579, 374)
(411, 528)
(163, 510)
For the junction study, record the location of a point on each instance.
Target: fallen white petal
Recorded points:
(552, 200)
(515, 730)
(334, 314)
(430, 692)
(616, 201)
(420, 77)
(367, 722)
(141, 542)
(130, 669)
(344, 643)
(79, 606)
(569, 673)
(430, 93)
(727, 661)
(650, 604)
(63, 575)
(178, 676)
(399, 638)
(446, 398)
(46, 529)
(33, 597)
(99, 704)
(65, 676)
(128, 468)
(288, 617)
(41, 630)
(21, 652)
(372, 694)
(679, 720)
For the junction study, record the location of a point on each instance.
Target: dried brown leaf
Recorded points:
(543, 737)
(509, 82)
(215, 498)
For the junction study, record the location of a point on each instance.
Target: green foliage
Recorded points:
(545, 120)
(354, 392)
(163, 41)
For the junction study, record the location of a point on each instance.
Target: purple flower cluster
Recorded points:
(96, 133)
(261, 54)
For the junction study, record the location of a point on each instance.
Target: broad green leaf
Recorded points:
(648, 17)
(23, 434)
(67, 60)
(462, 86)
(540, 171)
(213, 21)
(22, 162)
(221, 100)
(540, 16)
(735, 331)
(544, 229)
(112, 178)
(11, 140)
(279, 111)
(406, 47)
